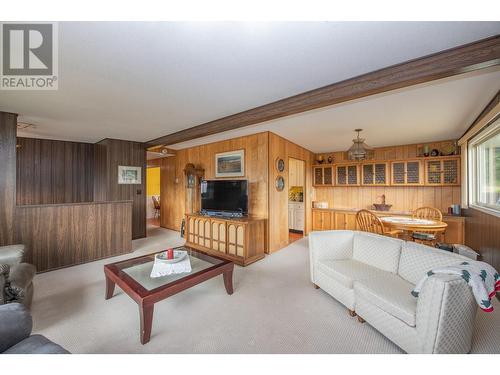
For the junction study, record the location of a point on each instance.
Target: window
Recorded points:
(484, 163)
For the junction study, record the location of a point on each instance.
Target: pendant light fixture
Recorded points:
(359, 150)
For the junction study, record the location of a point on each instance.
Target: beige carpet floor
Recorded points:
(274, 309)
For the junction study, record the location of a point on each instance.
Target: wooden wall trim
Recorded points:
(458, 60)
(8, 129)
(488, 115)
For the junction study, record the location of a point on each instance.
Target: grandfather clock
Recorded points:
(193, 179)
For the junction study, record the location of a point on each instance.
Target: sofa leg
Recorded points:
(360, 319)
(315, 286)
(352, 313)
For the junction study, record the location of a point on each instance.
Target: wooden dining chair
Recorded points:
(369, 222)
(427, 237)
(156, 204)
(428, 213)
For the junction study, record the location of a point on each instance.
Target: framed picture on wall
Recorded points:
(230, 164)
(129, 175)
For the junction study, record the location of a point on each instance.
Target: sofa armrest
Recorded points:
(11, 255)
(20, 282)
(330, 244)
(15, 325)
(21, 276)
(446, 311)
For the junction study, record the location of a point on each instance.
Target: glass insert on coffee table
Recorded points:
(133, 276)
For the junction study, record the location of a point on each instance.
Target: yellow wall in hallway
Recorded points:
(153, 181)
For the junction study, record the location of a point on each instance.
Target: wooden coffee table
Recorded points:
(133, 277)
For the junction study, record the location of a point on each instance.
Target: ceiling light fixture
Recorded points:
(359, 150)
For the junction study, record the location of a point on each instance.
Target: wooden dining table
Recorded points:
(409, 225)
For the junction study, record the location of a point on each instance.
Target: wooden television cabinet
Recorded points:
(241, 240)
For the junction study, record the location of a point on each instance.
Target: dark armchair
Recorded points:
(15, 333)
(16, 278)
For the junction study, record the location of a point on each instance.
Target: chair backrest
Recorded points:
(156, 202)
(369, 222)
(429, 213)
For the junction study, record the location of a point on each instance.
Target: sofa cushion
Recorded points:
(378, 251)
(347, 271)
(390, 293)
(417, 259)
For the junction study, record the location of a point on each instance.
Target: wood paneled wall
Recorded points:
(482, 233)
(401, 198)
(278, 200)
(109, 154)
(50, 172)
(173, 182)
(57, 236)
(8, 128)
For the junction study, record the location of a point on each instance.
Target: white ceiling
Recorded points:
(439, 110)
(139, 81)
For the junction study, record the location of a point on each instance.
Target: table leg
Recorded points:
(228, 281)
(110, 288)
(407, 235)
(146, 315)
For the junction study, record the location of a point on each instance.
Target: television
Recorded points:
(224, 197)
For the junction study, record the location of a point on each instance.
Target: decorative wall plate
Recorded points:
(280, 165)
(280, 183)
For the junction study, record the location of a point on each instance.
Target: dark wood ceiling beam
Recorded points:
(478, 55)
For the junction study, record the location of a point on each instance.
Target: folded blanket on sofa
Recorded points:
(481, 277)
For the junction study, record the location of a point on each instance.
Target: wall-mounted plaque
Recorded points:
(280, 183)
(280, 165)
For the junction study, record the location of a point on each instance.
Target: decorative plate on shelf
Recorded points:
(280, 165)
(178, 256)
(280, 183)
(448, 149)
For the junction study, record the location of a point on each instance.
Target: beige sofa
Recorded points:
(374, 275)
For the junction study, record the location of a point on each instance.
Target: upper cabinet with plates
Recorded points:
(424, 171)
(323, 175)
(432, 164)
(442, 171)
(407, 173)
(375, 174)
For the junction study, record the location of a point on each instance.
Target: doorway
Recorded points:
(296, 194)
(153, 193)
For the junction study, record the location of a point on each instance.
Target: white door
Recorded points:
(291, 218)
